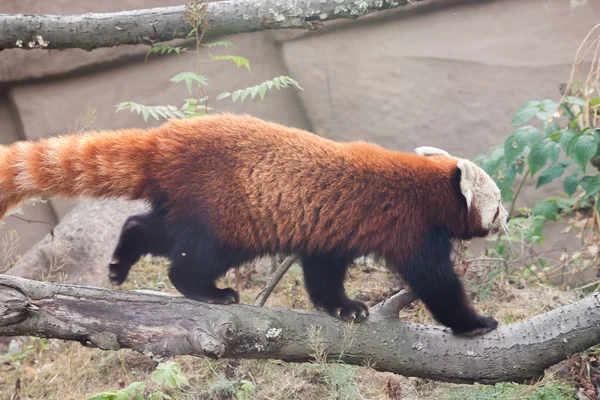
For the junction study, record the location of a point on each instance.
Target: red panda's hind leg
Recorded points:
(141, 234)
(198, 260)
(431, 275)
(324, 277)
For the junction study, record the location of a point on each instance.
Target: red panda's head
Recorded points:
(484, 203)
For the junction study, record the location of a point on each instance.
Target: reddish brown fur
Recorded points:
(255, 184)
(227, 188)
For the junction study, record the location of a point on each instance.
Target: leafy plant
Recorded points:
(196, 81)
(169, 375)
(554, 140)
(163, 48)
(166, 375)
(134, 391)
(535, 152)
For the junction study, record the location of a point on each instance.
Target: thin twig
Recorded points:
(264, 294)
(35, 221)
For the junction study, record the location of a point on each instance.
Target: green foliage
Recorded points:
(261, 89)
(560, 146)
(189, 78)
(515, 144)
(166, 375)
(220, 386)
(221, 43)
(169, 375)
(163, 48)
(238, 60)
(134, 391)
(156, 112)
(510, 391)
(199, 106)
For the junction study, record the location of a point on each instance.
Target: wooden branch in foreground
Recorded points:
(91, 31)
(162, 326)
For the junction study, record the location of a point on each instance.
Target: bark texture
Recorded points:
(91, 31)
(162, 326)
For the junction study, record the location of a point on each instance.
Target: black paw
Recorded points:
(347, 309)
(219, 296)
(117, 273)
(478, 327)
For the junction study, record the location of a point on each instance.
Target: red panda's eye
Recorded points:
(497, 213)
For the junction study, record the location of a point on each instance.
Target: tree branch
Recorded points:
(163, 326)
(392, 306)
(264, 294)
(91, 31)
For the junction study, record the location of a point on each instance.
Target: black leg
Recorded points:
(197, 260)
(141, 234)
(324, 278)
(434, 281)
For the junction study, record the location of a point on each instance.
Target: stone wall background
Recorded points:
(450, 74)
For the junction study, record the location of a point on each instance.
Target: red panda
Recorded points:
(225, 189)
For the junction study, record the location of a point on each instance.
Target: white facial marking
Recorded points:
(476, 184)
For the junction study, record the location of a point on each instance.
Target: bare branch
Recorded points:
(392, 306)
(264, 294)
(91, 31)
(162, 326)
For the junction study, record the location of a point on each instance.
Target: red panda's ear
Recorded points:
(467, 180)
(430, 151)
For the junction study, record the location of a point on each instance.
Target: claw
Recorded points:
(364, 314)
(338, 311)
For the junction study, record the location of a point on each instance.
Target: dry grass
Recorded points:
(70, 371)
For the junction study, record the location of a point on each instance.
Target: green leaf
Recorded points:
(245, 94)
(262, 89)
(547, 209)
(128, 393)
(591, 184)
(189, 78)
(221, 43)
(552, 173)
(169, 374)
(552, 131)
(547, 110)
(239, 61)
(163, 48)
(223, 95)
(537, 229)
(579, 101)
(540, 153)
(516, 142)
(582, 148)
(526, 112)
(565, 138)
(505, 179)
(570, 184)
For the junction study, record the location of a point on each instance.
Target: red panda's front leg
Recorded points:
(431, 275)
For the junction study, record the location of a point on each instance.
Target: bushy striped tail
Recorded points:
(102, 164)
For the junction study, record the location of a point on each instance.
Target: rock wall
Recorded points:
(447, 73)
